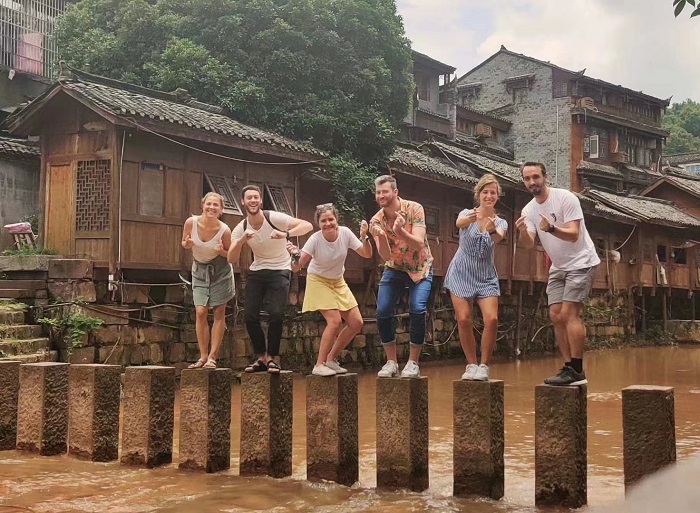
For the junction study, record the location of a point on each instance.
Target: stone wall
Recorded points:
(19, 193)
(533, 135)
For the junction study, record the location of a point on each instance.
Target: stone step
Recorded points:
(17, 293)
(42, 356)
(11, 317)
(23, 284)
(20, 331)
(13, 347)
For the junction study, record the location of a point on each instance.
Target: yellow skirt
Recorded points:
(324, 294)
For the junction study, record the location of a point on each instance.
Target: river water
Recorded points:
(63, 484)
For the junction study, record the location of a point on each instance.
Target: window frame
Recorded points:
(227, 187)
(591, 153)
(287, 207)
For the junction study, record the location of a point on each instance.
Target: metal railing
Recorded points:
(27, 35)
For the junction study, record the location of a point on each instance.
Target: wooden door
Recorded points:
(60, 209)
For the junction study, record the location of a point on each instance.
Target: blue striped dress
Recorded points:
(472, 273)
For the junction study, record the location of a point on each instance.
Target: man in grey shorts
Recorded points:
(555, 216)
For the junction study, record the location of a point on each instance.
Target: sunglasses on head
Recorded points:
(324, 205)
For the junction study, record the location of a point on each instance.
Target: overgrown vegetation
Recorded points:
(683, 121)
(70, 328)
(29, 251)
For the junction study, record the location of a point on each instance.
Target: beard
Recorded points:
(253, 210)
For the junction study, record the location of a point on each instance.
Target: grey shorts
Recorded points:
(573, 286)
(212, 283)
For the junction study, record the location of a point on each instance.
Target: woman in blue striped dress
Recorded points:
(471, 277)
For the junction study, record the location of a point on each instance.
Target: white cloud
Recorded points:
(636, 43)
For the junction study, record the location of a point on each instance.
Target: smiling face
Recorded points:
(488, 196)
(385, 194)
(534, 180)
(251, 202)
(212, 206)
(327, 222)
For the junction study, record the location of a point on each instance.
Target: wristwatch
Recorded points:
(551, 228)
(364, 239)
(287, 233)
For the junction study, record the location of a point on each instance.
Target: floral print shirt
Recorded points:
(415, 263)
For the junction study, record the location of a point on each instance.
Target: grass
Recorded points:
(29, 251)
(12, 306)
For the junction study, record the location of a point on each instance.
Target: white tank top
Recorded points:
(204, 252)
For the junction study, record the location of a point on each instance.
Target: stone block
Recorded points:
(42, 420)
(70, 268)
(110, 335)
(9, 394)
(402, 433)
(24, 263)
(167, 314)
(188, 335)
(175, 294)
(177, 353)
(149, 402)
(70, 290)
(93, 420)
(156, 334)
(139, 294)
(360, 341)
(332, 447)
(266, 424)
(205, 419)
(108, 314)
(648, 430)
(478, 439)
(83, 355)
(560, 446)
(156, 353)
(112, 355)
(191, 352)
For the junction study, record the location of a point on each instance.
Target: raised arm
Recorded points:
(187, 234)
(526, 237)
(365, 250)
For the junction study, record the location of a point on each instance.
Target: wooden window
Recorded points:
(226, 186)
(661, 253)
(560, 89)
(600, 247)
(593, 148)
(679, 256)
(93, 195)
(278, 199)
(432, 220)
(151, 189)
(423, 84)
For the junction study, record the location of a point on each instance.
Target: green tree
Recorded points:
(679, 5)
(334, 72)
(682, 120)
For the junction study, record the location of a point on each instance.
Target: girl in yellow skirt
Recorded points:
(326, 290)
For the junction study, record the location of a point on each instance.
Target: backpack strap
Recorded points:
(266, 213)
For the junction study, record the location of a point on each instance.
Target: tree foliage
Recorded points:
(335, 72)
(679, 5)
(682, 120)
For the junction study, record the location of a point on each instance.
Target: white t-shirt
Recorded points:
(267, 253)
(561, 207)
(328, 258)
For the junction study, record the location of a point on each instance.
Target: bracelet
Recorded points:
(287, 233)
(364, 239)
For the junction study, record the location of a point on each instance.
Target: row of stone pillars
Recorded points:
(35, 416)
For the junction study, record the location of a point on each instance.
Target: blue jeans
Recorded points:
(392, 287)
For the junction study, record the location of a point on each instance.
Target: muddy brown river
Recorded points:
(63, 484)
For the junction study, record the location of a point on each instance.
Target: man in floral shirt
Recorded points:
(399, 232)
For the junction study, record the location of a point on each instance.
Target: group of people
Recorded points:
(399, 232)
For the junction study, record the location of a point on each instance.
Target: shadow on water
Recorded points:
(63, 484)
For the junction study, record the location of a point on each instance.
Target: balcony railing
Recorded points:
(627, 113)
(27, 35)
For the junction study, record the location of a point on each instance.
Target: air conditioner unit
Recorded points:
(587, 103)
(483, 129)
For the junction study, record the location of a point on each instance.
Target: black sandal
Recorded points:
(257, 366)
(273, 368)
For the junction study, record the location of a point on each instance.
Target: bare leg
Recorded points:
(489, 312)
(202, 329)
(353, 325)
(465, 325)
(334, 322)
(560, 332)
(390, 350)
(575, 329)
(217, 330)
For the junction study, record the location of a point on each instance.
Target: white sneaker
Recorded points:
(322, 370)
(333, 365)
(470, 372)
(390, 370)
(482, 373)
(411, 370)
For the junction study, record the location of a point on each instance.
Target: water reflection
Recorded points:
(62, 484)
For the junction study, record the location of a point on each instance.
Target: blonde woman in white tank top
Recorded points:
(212, 275)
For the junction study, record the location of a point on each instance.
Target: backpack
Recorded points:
(266, 213)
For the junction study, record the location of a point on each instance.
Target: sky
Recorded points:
(635, 43)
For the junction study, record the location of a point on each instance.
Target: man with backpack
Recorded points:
(266, 233)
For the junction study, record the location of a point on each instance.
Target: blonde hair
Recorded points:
(485, 180)
(217, 196)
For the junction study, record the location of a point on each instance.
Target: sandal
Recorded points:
(211, 364)
(197, 365)
(257, 366)
(273, 367)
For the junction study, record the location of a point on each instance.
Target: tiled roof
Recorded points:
(585, 165)
(18, 148)
(592, 206)
(647, 209)
(681, 158)
(687, 184)
(484, 113)
(432, 166)
(486, 163)
(441, 66)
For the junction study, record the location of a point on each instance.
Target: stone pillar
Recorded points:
(266, 424)
(205, 419)
(42, 420)
(478, 438)
(402, 433)
(332, 447)
(560, 446)
(149, 411)
(93, 418)
(649, 430)
(9, 393)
